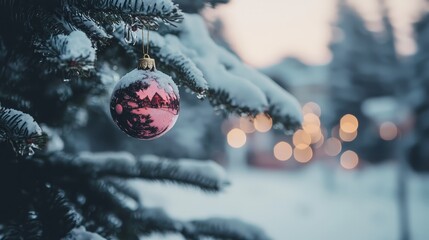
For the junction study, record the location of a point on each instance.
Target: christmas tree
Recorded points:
(418, 96)
(359, 82)
(59, 62)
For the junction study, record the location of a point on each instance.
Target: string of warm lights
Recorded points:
(305, 142)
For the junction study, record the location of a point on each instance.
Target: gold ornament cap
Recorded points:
(147, 63)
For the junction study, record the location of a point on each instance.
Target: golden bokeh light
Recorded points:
(301, 139)
(236, 138)
(312, 118)
(349, 123)
(262, 123)
(303, 155)
(319, 143)
(312, 107)
(311, 125)
(347, 137)
(246, 125)
(316, 136)
(332, 147)
(388, 131)
(349, 160)
(282, 151)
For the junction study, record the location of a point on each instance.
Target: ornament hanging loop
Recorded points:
(146, 63)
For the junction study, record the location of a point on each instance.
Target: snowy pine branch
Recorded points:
(55, 205)
(73, 52)
(173, 60)
(147, 11)
(195, 6)
(241, 87)
(86, 24)
(205, 175)
(233, 229)
(80, 233)
(21, 131)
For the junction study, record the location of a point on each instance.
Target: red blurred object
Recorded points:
(145, 104)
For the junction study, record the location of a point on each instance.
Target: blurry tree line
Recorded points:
(371, 81)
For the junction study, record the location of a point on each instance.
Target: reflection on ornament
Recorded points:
(145, 104)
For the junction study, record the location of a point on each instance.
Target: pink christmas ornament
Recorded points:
(145, 104)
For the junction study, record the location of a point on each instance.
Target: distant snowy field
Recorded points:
(314, 203)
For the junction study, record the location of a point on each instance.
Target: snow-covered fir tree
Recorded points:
(59, 63)
(419, 152)
(364, 67)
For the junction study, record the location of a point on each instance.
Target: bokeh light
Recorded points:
(332, 147)
(303, 155)
(347, 137)
(388, 131)
(246, 125)
(301, 139)
(262, 122)
(282, 151)
(312, 107)
(319, 143)
(349, 123)
(236, 138)
(349, 160)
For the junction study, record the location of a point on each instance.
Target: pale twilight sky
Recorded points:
(262, 32)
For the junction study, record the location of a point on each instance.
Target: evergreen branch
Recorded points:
(169, 58)
(112, 197)
(151, 220)
(28, 228)
(81, 234)
(57, 214)
(86, 24)
(148, 12)
(206, 175)
(123, 188)
(21, 131)
(172, 60)
(196, 6)
(228, 76)
(71, 53)
(15, 101)
(233, 229)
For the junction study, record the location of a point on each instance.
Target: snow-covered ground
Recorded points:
(316, 202)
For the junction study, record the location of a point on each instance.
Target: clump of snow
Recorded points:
(170, 53)
(199, 171)
(25, 123)
(155, 7)
(164, 81)
(224, 71)
(77, 45)
(107, 157)
(81, 234)
(55, 143)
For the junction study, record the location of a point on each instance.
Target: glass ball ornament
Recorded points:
(145, 104)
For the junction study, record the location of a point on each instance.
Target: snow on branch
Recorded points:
(150, 220)
(246, 88)
(148, 11)
(234, 229)
(173, 60)
(195, 6)
(169, 58)
(206, 175)
(69, 52)
(80, 233)
(86, 24)
(21, 131)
